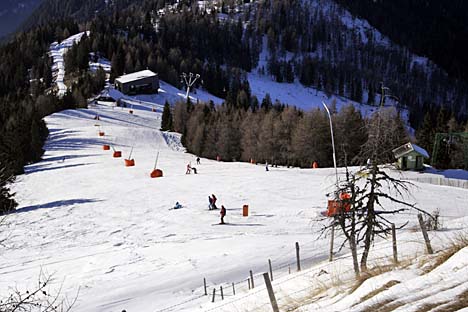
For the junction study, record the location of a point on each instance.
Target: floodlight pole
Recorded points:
(189, 81)
(333, 143)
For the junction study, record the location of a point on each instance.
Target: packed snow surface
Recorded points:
(108, 233)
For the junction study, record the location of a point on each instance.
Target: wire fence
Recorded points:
(284, 265)
(442, 181)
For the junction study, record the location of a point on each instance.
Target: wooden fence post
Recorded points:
(297, 257)
(271, 293)
(395, 251)
(271, 270)
(214, 294)
(251, 279)
(221, 290)
(204, 285)
(332, 239)
(426, 237)
(233, 290)
(289, 268)
(248, 282)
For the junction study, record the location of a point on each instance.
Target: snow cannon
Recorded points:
(117, 154)
(129, 162)
(156, 173)
(106, 147)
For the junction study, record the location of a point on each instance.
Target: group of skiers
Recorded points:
(190, 168)
(212, 206)
(212, 200)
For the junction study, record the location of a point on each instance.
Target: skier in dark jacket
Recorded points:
(210, 206)
(213, 205)
(222, 213)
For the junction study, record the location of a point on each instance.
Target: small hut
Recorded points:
(410, 157)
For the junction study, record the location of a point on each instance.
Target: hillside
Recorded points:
(433, 28)
(108, 231)
(13, 13)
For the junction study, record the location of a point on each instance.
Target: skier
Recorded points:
(189, 169)
(194, 170)
(198, 160)
(213, 204)
(266, 167)
(223, 214)
(210, 206)
(177, 205)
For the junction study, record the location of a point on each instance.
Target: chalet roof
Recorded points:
(408, 148)
(136, 76)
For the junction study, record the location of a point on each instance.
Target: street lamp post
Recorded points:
(189, 81)
(333, 143)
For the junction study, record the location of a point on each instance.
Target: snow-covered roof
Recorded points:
(136, 76)
(409, 147)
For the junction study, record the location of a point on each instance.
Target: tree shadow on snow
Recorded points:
(65, 157)
(244, 224)
(56, 204)
(69, 144)
(39, 168)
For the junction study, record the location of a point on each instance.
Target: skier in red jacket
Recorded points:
(222, 213)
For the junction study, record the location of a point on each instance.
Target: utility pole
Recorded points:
(189, 80)
(333, 144)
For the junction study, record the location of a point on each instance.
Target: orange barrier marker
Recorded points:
(129, 162)
(101, 133)
(117, 154)
(156, 173)
(130, 111)
(245, 210)
(106, 147)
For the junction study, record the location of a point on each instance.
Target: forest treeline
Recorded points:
(283, 135)
(278, 134)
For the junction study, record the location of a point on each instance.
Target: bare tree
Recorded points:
(372, 195)
(38, 299)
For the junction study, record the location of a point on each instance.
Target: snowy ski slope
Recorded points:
(106, 230)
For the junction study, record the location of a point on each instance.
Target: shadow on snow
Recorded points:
(56, 204)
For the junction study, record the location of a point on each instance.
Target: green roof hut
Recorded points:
(410, 157)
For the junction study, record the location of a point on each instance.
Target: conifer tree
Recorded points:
(166, 120)
(426, 133)
(7, 203)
